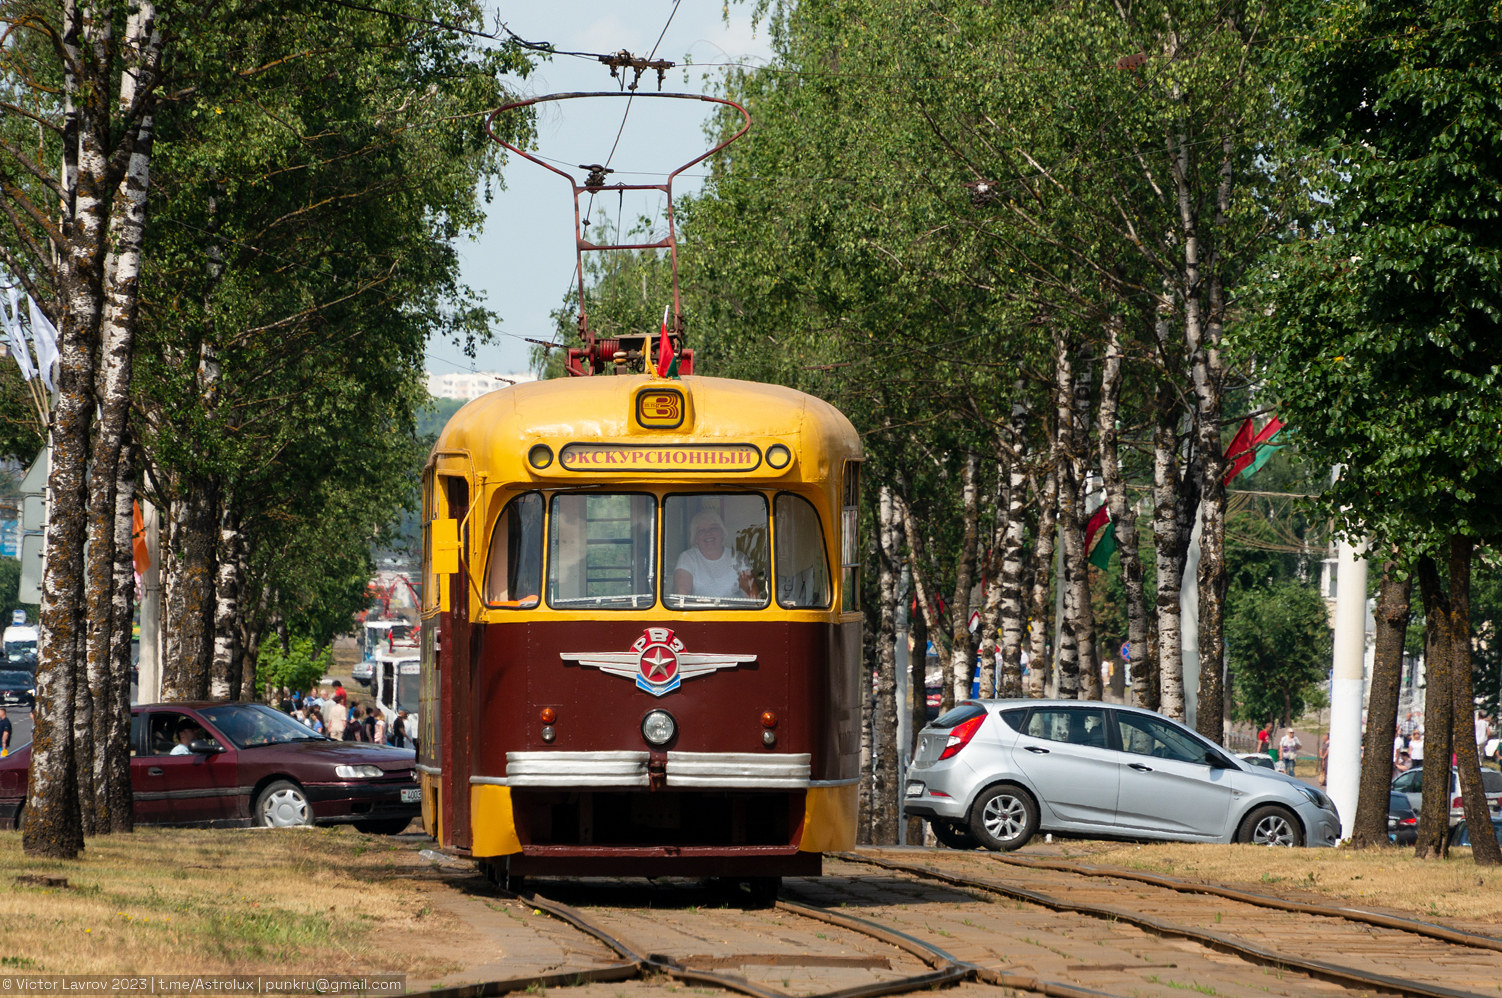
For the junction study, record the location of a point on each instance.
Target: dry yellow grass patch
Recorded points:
(179, 901)
(1383, 878)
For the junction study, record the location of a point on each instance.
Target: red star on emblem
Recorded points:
(658, 662)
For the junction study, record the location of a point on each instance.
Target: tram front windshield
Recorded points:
(715, 550)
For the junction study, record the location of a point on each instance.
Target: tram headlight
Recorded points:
(540, 456)
(778, 456)
(658, 727)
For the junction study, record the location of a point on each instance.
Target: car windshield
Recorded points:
(248, 725)
(16, 679)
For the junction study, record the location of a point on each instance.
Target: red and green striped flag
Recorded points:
(1100, 538)
(664, 347)
(1250, 451)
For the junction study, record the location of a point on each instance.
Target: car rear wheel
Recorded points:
(1271, 825)
(1004, 818)
(953, 834)
(283, 805)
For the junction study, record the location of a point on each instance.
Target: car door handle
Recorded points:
(154, 771)
(1038, 749)
(1140, 768)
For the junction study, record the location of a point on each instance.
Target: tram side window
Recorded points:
(600, 551)
(802, 571)
(715, 550)
(513, 569)
(850, 589)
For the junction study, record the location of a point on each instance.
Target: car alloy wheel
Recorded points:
(1271, 826)
(1004, 818)
(283, 805)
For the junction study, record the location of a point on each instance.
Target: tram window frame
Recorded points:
(761, 570)
(515, 535)
(429, 514)
(645, 597)
(850, 582)
(779, 560)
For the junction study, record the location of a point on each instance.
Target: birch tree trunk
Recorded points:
(1202, 344)
(1040, 606)
(54, 823)
(921, 591)
(224, 673)
(1175, 496)
(884, 747)
(1080, 613)
(1013, 610)
(961, 642)
(918, 704)
(1071, 530)
(112, 766)
(127, 228)
(1124, 515)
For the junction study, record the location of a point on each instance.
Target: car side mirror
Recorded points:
(205, 746)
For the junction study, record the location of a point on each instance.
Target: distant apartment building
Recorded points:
(471, 385)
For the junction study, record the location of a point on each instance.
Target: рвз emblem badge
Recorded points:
(657, 661)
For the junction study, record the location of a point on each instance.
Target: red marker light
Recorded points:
(768, 719)
(549, 715)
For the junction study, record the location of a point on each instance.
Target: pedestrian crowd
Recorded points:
(331, 711)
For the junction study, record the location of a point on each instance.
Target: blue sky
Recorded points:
(523, 263)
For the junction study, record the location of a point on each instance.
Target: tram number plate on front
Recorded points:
(412, 796)
(915, 790)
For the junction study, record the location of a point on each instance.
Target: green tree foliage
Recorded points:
(1383, 333)
(299, 668)
(1278, 646)
(308, 192)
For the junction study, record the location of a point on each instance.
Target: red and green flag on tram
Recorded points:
(667, 359)
(1249, 450)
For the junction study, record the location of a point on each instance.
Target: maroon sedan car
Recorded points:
(236, 764)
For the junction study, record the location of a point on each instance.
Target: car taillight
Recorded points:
(960, 735)
(1408, 821)
(1457, 802)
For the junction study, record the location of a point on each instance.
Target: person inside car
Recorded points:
(186, 736)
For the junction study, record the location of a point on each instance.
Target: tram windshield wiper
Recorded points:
(683, 602)
(634, 601)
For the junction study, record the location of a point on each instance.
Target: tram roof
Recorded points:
(497, 429)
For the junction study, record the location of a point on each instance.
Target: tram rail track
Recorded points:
(1319, 969)
(1145, 946)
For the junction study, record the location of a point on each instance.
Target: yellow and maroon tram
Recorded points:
(640, 640)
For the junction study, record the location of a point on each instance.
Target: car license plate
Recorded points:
(915, 790)
(412, 795)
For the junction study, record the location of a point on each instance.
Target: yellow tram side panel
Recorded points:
(829, 818)
(436, 594)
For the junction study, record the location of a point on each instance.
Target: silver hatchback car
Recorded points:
(994, 772)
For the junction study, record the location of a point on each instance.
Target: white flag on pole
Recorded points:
(45, 336)
(13, 331)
